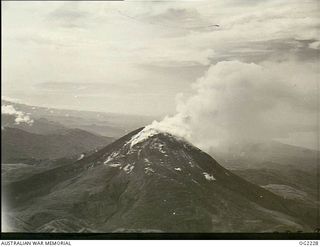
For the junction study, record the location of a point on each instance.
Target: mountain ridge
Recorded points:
(22, 146)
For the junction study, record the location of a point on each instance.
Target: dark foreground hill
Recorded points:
(19, 146)
(147, 181)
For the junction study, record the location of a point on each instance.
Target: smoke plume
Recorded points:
(236, 102)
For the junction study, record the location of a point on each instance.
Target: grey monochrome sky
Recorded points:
(161, 57)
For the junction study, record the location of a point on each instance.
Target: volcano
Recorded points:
(146, 181)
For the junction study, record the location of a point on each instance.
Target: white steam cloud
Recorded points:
(20, 117)
(237, 102)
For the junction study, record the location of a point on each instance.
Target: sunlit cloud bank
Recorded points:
(20, 117)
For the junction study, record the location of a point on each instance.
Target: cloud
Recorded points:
(180, 57)
(96, 42)
(237, 102)
(180, 19)
(21, 117)
(69, 15)
(315, 45)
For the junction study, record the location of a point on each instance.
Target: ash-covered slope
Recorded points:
(147, 181)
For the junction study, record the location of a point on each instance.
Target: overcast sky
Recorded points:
(159, 57)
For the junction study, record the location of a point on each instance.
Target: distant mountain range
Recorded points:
(149, 181)
(270, 154)
(99, 123)
(39, 139)
(40, 126)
